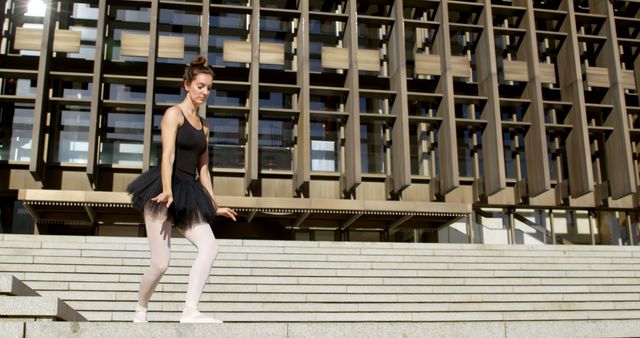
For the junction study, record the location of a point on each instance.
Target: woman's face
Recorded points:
(198, 90)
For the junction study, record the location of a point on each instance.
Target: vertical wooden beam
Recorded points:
(204, 42)
(470, 230)
(620, 170)
(37, 163)
(96, 95)
(302, 173)
(352, 175)
(512, 226)
(536, 154)
(401, 164)
(636, 71)
(447, 141)
(251, 149)
(552, 227)
(151, 79)
(629, 228)
(591, 229)
(492, 150)
(204, 28)
(572, 90)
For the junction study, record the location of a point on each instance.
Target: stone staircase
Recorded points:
(325, 287)
(20, 302)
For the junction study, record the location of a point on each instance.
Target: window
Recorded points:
(15, 132)
(226, 143)
(72, 135)
(324, 145)
(122, 139)
(275, 144)
(372, 149)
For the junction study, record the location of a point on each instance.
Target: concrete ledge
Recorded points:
(38, 307)
(109, 330)
(10, 285)
(11, 328)
(593, 328)
(608, 328)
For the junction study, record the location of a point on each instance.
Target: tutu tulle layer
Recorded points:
(192, 204)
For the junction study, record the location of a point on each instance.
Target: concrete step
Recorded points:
(47, 308)
(338, 288)
(453, 271)
(46, 256)
(300, 247)
(337, 280)
(11, 286)
(355, 307)
(179, 241)
(417, 249)
(242, 262)
(522, 329)
(347, 298)
(443, 316)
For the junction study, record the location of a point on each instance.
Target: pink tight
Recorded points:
(159, 235)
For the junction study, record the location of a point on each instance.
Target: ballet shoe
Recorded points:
(140, 316)
(200, 318)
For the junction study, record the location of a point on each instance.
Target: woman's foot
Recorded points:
(192, 315)
(141, 314)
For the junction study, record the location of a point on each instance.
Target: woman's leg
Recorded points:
(159, 235)
(202, 237)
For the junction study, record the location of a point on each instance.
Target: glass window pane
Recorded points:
(123, 92)
(273, 99)
(226, 26)
(226, 142)
(420, 150)
(324, 146)
(275, 144)
(25, 87)
(221, 97)
(323, 33)
(372, 147)
(72, 142)
(122, 139)
(465, 152)
(126, 20)
(183, 24)
(15, 132)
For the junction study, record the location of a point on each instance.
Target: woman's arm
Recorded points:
(205, 176)
(169, 128)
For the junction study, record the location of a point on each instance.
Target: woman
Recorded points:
(180, 193)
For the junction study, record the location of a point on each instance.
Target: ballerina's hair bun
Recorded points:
(197, 66)
(199, 61)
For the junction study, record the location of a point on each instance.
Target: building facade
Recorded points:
(397, 120)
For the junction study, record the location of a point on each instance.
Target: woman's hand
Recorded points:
(164, 197)
(226, 212)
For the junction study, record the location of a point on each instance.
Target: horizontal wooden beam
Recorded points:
(138, 45)
(66, 41)
(628, 79)
(460, 66)
(338, 58)
(271, 53)
(369, 59)
(335, 58)
(548, 73)
(427, 64)
(106, 198)
(597, 77)
(240, 51)
(514, 70)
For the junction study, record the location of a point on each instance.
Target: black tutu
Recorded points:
(192, 204)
